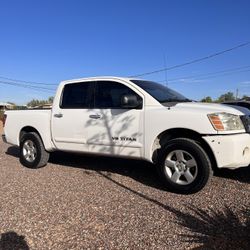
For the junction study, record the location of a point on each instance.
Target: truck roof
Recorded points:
(97, 78)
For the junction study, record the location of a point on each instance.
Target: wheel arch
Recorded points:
(174, 133)
(28, 129)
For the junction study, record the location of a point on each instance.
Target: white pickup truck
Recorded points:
(135, 118)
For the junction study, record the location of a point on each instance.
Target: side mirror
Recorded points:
(130, 101)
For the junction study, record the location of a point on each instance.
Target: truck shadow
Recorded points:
(13, 151)
(141, 171)
(138, 170)
(240, 174)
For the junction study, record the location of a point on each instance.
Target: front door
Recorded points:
(112, 129)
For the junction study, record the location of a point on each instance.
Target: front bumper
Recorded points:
(4, 138)
(230, 151)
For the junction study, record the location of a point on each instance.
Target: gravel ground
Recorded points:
(86, 202)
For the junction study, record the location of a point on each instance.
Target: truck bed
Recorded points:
(17, 120)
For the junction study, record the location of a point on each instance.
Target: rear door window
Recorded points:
(77, 96)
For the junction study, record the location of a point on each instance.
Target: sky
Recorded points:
(50, 41)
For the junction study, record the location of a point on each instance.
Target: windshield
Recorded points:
(160, 92)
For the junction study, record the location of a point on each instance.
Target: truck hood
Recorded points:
(208, 108)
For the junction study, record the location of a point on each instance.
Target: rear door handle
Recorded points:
(58, 115)
(95, 116)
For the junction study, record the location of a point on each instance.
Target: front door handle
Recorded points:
(95, 116)
(58, 115)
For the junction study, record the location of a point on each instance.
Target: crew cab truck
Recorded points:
(135, 118)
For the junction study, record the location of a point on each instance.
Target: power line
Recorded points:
(193, 61)
(208, 74)
(229, 73)
(28, 86)
(17, 80)
(209, 77)
(22, 85)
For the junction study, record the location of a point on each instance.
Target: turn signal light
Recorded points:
(216, 122)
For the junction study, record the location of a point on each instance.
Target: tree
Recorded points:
(207, 99)
(35, 102)
(245, 98)
(51, 99)
(229, 96)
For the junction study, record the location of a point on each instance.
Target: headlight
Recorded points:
(225, 121)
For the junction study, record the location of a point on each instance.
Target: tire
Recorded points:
(32, 151)
(184, 166)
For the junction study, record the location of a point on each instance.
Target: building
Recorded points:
(6, 105)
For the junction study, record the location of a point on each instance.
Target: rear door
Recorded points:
(69, 119)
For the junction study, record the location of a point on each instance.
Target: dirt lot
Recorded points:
(79, 202)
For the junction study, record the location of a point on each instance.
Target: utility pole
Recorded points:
(236, 94)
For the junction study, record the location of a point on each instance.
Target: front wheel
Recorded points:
(32, 151)
(184, 166)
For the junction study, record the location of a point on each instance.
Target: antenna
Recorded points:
(166, 71)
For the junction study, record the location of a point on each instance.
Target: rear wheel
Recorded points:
(184, 166)
(32, 151)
